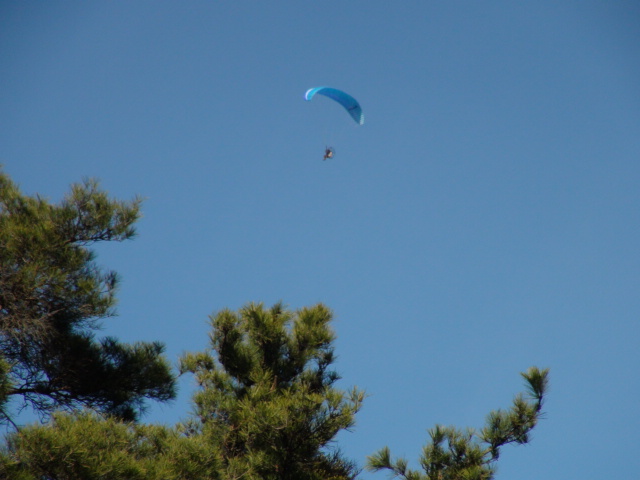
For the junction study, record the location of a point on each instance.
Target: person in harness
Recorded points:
(328, 153)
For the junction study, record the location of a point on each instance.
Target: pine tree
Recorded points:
(267, 400)
(87, 446)
(53, 296)
(267, 407)
(456, 454)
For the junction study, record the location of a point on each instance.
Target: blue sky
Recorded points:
(484, 219)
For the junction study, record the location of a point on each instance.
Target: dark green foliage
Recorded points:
(52, 298)
(455, 454)
(267, 406)
(267, 401)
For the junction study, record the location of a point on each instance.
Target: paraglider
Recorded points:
(349, 103)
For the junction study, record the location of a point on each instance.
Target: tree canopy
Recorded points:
(53, 296)
(464, 454)
(267, 398)
(88, 446)
(267, 404)
(267, 408)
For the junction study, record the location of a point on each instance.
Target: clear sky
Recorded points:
(484, 219)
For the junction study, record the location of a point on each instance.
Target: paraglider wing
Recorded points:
(350, 104)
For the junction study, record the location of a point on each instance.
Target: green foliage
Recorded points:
(267, 406)
(267, 400)
(53, 296)
(86, 446)
(455, 454)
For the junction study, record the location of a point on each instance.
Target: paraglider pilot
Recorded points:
(328, 153)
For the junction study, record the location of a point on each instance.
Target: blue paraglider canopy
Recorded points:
(350, 104)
